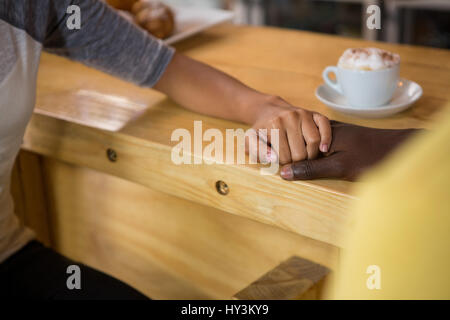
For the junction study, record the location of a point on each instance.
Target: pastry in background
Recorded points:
(122, 4)
(155, 17)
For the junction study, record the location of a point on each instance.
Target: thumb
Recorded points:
(328, 167)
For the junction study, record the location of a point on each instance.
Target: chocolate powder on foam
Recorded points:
(357, 53)
(388, 56)
(385, 55)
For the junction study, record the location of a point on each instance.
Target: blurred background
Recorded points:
(418, 22)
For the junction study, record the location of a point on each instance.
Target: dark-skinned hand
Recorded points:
(354, 150)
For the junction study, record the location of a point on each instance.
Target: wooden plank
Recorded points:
(299, 51)
(167, 247)
(28, 190)
(300, 207)
(17, 193)
(266, 54)
(293, 279)
(138, 122)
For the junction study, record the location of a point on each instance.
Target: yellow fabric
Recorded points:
(402, 225)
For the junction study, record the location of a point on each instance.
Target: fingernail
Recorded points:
(324, 147)
(287, 173)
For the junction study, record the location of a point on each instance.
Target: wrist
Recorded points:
(253, 104)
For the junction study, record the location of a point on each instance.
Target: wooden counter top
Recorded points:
(82, 112)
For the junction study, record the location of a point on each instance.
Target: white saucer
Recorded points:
(406, 94)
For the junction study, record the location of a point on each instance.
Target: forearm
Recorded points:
(112, 44)
(106, 41)
(203, 89)
(101, 44)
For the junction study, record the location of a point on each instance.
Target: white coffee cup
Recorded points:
(364, 88)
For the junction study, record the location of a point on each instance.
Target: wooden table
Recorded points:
(164, 228)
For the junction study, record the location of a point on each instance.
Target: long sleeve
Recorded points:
(105, 40)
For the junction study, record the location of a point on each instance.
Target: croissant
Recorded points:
(122, 4)
(155, 17)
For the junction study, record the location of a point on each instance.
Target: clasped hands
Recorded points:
(312, 147)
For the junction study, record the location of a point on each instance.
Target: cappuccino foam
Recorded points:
(370, 59)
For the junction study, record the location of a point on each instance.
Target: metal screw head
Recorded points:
(222, 188)
(111, 154)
